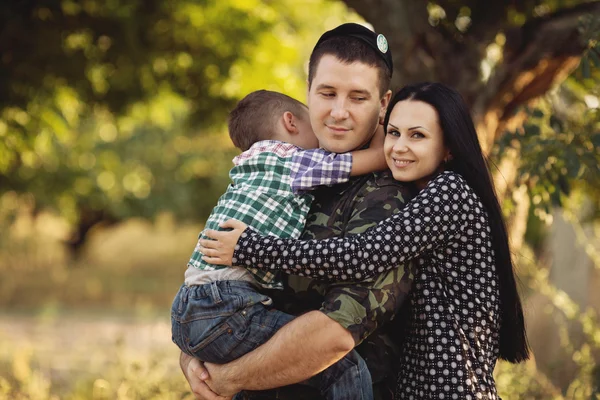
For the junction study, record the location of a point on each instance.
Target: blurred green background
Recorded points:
(113, 150)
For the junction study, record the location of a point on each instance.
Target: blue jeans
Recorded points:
(221, 321)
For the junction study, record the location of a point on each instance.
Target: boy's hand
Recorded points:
(378, 138)
(371, 159)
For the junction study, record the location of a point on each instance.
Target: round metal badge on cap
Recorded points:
(382, 43)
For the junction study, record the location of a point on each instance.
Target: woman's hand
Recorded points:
(220, 249)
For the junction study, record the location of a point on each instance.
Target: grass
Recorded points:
(98, 327)
(88, 357)
(93, 328)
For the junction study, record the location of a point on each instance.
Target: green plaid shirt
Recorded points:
(268, 193)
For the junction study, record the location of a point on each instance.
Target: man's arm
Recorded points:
(299, 350)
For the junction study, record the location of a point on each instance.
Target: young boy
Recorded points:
(219, 314)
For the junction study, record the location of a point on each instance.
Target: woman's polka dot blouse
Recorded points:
(452, 345)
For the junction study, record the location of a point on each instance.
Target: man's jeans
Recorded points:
(221, 321)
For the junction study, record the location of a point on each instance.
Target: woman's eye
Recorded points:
(418, 135)
(393, 132)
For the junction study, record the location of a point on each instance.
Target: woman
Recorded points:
(466, 311)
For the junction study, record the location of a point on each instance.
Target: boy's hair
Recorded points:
(255, 117)
(348, 49)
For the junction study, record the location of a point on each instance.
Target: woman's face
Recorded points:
(414, 142)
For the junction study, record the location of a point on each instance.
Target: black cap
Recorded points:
(377, 42)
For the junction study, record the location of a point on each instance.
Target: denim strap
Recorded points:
(214, 291)
(183, 298)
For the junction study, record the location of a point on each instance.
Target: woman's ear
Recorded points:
(448, 156)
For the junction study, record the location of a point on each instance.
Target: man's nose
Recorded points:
(339, 110)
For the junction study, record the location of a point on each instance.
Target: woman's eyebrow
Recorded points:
(418, 127)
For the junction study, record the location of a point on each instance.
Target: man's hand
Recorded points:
(219, 381)
(196, 375)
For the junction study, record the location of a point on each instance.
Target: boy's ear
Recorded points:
(289, 122)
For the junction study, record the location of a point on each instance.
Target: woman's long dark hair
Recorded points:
(461, 139)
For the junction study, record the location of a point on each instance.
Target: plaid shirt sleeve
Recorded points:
(317, 167)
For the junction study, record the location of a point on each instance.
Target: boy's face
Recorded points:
(345, 104)
(305, 138)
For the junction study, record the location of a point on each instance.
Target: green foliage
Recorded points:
(118, 52)
(556, 153)
(559, 142)
(590, 27)
(118, 108)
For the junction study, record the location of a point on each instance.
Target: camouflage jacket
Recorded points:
(341, 210)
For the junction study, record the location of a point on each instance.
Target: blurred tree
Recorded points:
(70, 68)
(507, 58)
(115, 52)
(111, 109)
(499, 54)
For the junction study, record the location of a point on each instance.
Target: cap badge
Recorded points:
(382, 43)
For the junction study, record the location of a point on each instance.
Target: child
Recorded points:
(219, 313)
(465, 308)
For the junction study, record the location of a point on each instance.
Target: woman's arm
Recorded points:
(436, 215)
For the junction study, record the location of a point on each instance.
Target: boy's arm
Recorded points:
(318, 167)
(371, 159)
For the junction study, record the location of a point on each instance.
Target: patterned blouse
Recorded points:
(452, 343)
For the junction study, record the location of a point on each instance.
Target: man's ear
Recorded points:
(289, 122)
(385, 101)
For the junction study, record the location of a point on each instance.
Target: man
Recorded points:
(349, 77)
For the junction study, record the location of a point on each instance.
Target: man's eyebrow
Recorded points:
(361, 92)
(324, 86)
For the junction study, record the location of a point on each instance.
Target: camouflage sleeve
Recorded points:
(363, 306)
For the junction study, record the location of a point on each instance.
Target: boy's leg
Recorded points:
(221, 321)
(349, 379)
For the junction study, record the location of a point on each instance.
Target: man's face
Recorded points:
(344, 104)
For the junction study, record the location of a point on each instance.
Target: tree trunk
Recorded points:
(537, 55)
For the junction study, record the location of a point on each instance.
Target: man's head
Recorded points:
(267, 115)
(351, 43)
(349, 75)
